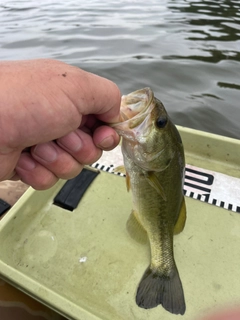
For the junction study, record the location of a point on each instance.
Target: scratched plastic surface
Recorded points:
(84, 265)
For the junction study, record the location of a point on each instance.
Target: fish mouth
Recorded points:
(133, 111)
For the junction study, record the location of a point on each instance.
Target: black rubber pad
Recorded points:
(73, 190)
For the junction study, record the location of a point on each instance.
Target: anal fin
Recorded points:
(135, 229)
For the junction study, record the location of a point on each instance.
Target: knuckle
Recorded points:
(90, 157)
(44, 183)
(69, 170)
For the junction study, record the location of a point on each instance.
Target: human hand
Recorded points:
(57, 112)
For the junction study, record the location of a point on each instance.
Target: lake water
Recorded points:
(187, 51)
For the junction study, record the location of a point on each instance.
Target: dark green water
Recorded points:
(188, 52)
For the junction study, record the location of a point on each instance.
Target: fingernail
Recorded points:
(72, 142)
(46, 151)
(107, 143)
(26, 163)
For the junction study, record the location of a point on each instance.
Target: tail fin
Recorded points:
(156, 288)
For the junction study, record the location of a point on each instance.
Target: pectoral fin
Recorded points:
(179, 226)
(154, 182)
(122, 170)
(128, 183)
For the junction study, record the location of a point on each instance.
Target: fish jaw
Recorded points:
(142, 140)
(135, 113)
(135, 102)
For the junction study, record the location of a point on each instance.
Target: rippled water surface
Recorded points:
(188, 51)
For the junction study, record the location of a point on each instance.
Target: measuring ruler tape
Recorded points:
(204, 185)
(212, 187)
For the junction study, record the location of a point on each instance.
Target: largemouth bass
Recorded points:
(154, 162)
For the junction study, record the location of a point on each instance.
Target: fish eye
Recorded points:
(161, 122)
